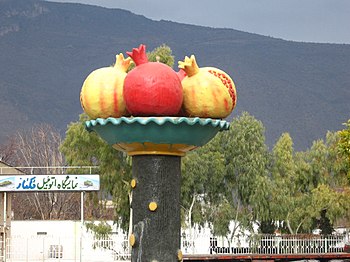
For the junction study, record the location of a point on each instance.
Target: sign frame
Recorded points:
(49, 183)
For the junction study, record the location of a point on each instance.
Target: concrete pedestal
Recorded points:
(156, 208)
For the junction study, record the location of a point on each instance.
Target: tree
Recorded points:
(240, 195)
(344, 144)
(82, 148)
(38, 147)
(336, 164)
(329, 205)
(202, 172)
(330, 191)
(8, 150)
(286, 197)
(295, 175)
(305, 182)
(162, 54)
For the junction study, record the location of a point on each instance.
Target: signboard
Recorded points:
(45, 183)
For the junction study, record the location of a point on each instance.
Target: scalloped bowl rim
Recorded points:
(157, 130)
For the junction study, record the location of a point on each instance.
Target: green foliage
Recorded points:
(100, 230)
(246, 156)
(83, 148)
(247, 160)
(202, 178)
(306, 183)
(285, 188)
(337, 166)
(162, 54)
(286, 195)
(325, 224)
(283, 162)
(267, 227)
(235, 178)
(344, 145)
(222, 219)
(334, 202)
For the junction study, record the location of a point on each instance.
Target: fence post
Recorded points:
(43, 249)
(60, 251)
(27, 250)
(325, 245)
(81, 224)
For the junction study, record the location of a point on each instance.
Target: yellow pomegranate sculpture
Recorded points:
(207, 91)
(102, 91)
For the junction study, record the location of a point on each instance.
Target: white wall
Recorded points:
(28, 228)
(33, 240)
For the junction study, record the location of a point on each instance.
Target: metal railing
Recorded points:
(281, 244)
(115, 247)
(49, 169)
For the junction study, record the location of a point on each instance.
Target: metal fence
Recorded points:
(281, 244)
(116, 247)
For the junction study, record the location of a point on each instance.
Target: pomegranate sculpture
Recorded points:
(155, 89)
(207, 91)
(171, 113)
(102, 91)
(151, 88)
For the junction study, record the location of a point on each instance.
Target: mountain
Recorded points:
(48, 49)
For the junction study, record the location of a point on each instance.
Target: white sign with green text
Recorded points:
(17, 183)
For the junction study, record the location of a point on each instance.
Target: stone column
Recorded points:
(156, 208)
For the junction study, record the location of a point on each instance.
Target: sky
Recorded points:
(321, 21)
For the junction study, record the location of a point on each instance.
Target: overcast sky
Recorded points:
(324, 21)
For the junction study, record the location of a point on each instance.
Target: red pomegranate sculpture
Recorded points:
(151, 88)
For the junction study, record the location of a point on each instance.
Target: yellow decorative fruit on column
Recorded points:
(102, 91)
(132, 240)
(133, 183)
(152, 206)
(179, 255)
(207, 91)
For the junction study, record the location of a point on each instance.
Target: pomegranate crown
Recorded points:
(189, 65)
(122, 63)
(138, 55)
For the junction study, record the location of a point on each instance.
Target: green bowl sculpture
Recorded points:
(156, 135)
